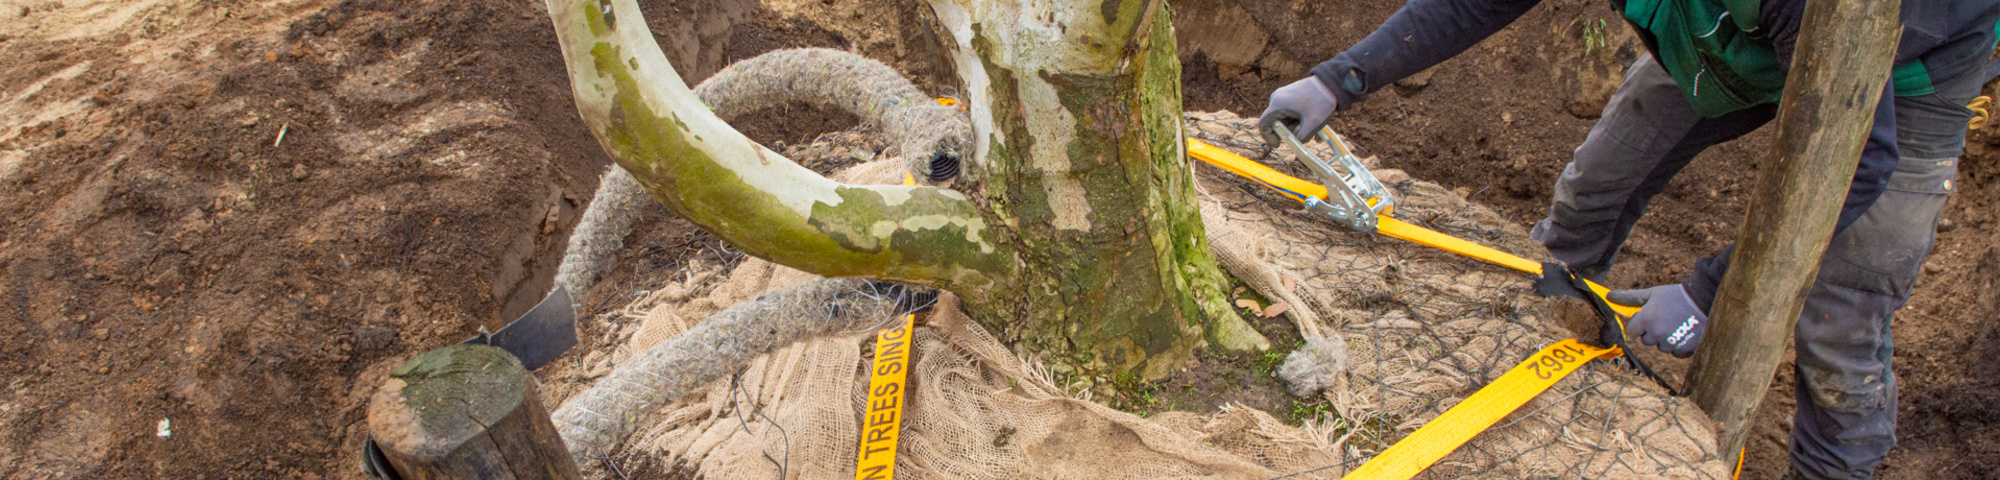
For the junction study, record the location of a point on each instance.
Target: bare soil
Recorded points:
(166, 260)
(224, 219)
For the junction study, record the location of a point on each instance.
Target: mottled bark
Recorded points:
(1076, 112)
(1077, 235)
(692, 161)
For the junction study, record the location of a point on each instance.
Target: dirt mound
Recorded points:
(223, 217)
(240, 208)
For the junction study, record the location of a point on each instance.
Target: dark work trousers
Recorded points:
(1846, 418)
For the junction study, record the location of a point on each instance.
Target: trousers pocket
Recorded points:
(1884, 250)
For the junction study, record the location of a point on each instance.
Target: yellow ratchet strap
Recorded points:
(1247, 168)
(882, 422)
(1298, 189)
(1462, 422)
(1476, 413)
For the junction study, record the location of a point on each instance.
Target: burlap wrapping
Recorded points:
(1418, 330)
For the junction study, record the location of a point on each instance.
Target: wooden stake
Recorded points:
(1838, 71)
(467, 412)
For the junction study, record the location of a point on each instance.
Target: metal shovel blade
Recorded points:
(540, 335)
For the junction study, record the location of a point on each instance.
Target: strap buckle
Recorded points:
(1356, 198)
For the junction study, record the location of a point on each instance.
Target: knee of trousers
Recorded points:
(1842, 344)
(1843, 338)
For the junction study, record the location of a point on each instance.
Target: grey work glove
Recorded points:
(1667, 318)
(1303, 105)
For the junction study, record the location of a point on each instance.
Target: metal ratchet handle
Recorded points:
(1359, 178)
(1326, 174)
(1358, 197)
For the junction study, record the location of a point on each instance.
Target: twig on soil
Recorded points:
(612, 465)
(1551, 404)
(281, 135)
(1311, 470)
(735, 386)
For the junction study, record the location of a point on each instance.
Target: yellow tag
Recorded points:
(881, 423)
(1480, 411)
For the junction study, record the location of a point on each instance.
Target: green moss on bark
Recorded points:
(1136, 293)
(944, 249)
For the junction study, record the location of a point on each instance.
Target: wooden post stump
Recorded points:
(467, 412)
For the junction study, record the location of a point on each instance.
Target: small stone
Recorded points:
(1946, 225)
(1415, 83)
(271, 56)
(1312, 369)
(1933, 268)
(1391, 175)
(169, 278)
(103, 370)
(299, 171)
(550, 220)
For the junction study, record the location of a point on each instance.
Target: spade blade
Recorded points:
(540, 335)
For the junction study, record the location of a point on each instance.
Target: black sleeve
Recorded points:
(1421, 34)
(1779, 20)
(1871, 177)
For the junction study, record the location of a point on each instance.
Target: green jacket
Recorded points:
(1715, 50)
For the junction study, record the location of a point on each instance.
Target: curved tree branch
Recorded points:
(920, 129)
(705, 171)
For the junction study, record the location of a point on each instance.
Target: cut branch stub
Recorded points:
(705, 171)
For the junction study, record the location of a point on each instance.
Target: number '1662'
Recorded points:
(1555, 361)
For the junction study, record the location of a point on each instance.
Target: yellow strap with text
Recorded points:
(1496, 400)
(881, 423)
(1480, 411)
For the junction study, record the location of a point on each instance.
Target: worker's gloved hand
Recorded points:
(1667, 318)
(1303, 105)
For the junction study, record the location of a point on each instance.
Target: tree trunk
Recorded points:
(1844, 53)
(1074, 231)
(1077, 115)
